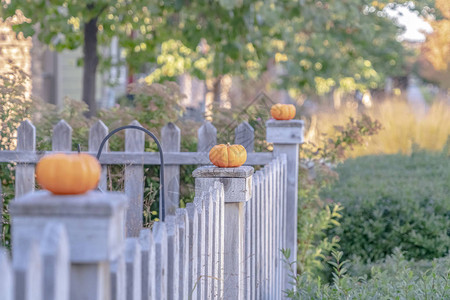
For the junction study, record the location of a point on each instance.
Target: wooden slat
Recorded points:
(133, 266)
(97, 133)
(283, 214)
(266, 232)
(147, 263)
(193, 250)
(6, 277)
(259, 233)
(56, 262)
(271, 233)
(147, 158)
(26, 141)
(245, 136)
(134, 181)
(172, 258)
(207, 137)
(160, 239)
(27, 273)
(62, 137)
(207, 204)
(215, 193)
(117, 275)
(183, 232)
(201, 250)
(170, 139)
(277, 232)
(221, 236)
(247, 249)
(253, 237)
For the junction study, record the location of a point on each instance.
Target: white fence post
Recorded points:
(95, 227)
(97, 133)
(26, 141)
(237, 184)
(6, 277)
(286, 137)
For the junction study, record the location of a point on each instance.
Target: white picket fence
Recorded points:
(225, 245)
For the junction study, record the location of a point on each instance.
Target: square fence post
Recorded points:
(95, 224)
(237, 184)
(286, 137)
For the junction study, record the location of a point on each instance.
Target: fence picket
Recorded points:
(26, 141)
(207, 204)
(266, 232)
(62, 136)
(245, 136)
(259, 233)
(193, 250)
(133, 266)
(6, 277)
(214, 191)
(147, 263)
(207, 137)
(172, 257)
(277, 231)
(118, 280)
(56, 263)
(201, 250)
(134, 181)
(160, 239)
(27, 273)
(247, 249)
(170, 139)
(221, 237)
(97, 133)
(183, 234)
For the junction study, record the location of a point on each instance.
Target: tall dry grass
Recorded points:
(403, 127)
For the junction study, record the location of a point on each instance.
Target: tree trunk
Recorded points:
(90, 65)
(217, 88)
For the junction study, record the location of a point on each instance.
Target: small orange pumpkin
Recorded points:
(283, 111)
(66, 174)
(228, 156)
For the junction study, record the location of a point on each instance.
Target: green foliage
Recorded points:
(392, 278)
(394, 201)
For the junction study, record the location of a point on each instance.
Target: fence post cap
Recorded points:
(94, 222)
(216, 172)
(284, 132)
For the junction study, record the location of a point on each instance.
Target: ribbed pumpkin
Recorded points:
(283, 111)
(68, 174)
(228, 156)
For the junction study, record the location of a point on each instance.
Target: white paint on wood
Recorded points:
(201, 250)
(133, 267)
(172, 257)
(183, 233)
(207, 137)
(56, 263)
(207, 204)
(147, 263)
(118, 278)
(97, 133)
(95, 279)
(62, 136)
(284, 132)
(193, 250)
(134, 181)
(6, 277)
(26, 141)
(28, 272)
(170, 140)
(245, 136)
(161, 268)
(221, 238)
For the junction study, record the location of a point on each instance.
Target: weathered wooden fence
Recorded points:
(225, 245)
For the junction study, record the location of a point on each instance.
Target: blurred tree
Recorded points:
(435, 52)
(320, 44)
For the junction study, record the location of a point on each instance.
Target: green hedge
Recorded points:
(394, 201)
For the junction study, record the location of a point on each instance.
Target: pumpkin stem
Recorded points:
(228, 144)
(78, 148)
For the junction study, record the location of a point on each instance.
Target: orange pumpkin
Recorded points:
(65, 174)
(228, 156)
(283, 111)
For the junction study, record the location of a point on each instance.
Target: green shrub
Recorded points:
(392, 278)
(394, 201)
